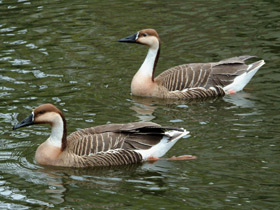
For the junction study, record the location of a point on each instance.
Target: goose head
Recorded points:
(148, 37)
(48, 114)
(43, 114)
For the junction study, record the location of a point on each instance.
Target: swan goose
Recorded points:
(188, 81)
(104, 145)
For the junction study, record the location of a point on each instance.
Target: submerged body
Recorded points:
(195, 80)
(105, 145)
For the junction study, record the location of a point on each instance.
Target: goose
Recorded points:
(104, 145)
(188, 81)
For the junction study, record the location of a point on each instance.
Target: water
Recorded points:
(66, 53)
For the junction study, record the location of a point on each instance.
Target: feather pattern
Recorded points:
(199, 80)
(114, 144)
(204, 75)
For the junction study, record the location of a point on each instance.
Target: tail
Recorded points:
(242, 80)
(169, 139)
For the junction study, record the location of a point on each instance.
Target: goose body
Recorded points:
(187, 81)
(104, 145)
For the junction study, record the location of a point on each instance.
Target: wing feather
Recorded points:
(131, 136)
(204, 75)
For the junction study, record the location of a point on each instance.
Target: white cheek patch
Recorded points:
(137, 35)
(32, 116)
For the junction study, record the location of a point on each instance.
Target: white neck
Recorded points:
(147, 67)
(55, 138)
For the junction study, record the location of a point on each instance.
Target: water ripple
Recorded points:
(66, 53)
(36, 73)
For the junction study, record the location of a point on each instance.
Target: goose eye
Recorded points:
(41, 112)
(145, 34)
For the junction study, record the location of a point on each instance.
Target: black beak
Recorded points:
(27, 121)
(130, 39)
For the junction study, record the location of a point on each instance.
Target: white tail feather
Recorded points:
(242, 80)
(164, 145)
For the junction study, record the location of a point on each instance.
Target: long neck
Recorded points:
(149, 65)
(58, 133)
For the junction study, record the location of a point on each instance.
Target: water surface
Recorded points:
(66, 53)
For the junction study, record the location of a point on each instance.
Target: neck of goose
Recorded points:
(58, 133)
(148, 67)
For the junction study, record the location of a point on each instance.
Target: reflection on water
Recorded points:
(145, 106)
(66, 53)
(241, 99)
(146, 176)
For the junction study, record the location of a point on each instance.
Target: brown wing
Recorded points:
(204, 75)
(108, 158)
(141, 135)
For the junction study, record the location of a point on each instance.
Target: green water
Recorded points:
(66, 53)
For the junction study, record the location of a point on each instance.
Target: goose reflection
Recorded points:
(240, 99)
(144, 108)
(56, 187)
(62, 181)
